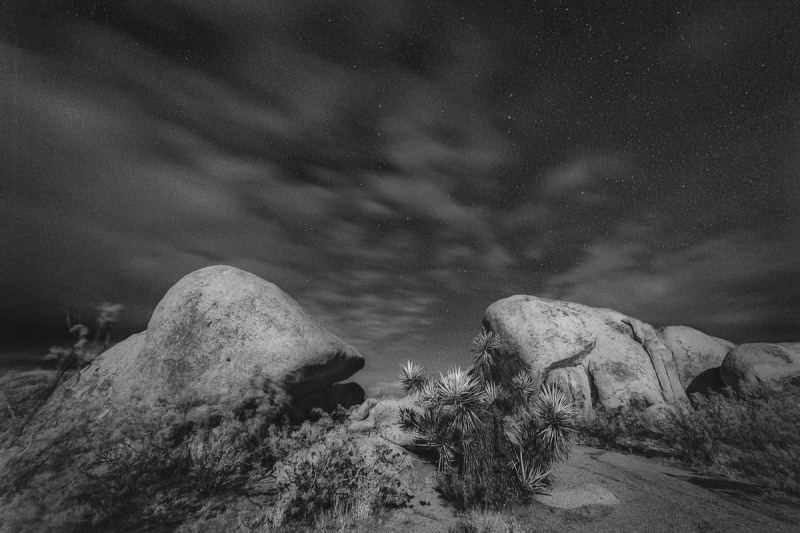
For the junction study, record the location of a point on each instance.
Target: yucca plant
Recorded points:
(492, 442)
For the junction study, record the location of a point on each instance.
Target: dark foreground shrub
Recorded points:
(152, 469)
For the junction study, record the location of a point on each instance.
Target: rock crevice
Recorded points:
(661, 358)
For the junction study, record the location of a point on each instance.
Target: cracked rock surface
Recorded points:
(600, 356)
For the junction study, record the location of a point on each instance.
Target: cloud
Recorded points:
(423, 198)
(582, 176)
(733, 286)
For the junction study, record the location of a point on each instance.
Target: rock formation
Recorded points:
(602, 357)
(216, 335)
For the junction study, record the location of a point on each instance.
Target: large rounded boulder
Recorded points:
(761, 364)
(217, 334)
(599, 356)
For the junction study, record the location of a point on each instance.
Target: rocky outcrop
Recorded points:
(218, 334)
(761, 364)
(695, 354)
(382, 418)
(600, 356)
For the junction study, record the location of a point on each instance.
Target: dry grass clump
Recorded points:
(493, 443)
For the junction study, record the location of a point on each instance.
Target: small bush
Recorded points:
(324, 470)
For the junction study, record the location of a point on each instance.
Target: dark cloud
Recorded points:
(398, 166)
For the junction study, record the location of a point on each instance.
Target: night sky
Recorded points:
(398, 166)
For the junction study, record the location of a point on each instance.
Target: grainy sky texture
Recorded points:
(398, 166)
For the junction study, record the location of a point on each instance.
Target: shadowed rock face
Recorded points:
(761, 364)
(600, 356)
(345, 394)
(212, 335)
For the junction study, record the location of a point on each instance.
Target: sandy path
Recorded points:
(604, 491)
(656, 496)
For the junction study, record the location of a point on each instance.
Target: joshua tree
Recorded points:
(491, 440)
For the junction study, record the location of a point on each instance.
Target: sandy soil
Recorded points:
(604, 491)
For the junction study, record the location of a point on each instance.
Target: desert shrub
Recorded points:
(700, 432)
(493, 443)
(322, 470)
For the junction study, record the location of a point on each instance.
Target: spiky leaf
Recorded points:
(461, 395)
(412, 377)
(556, 416)
(493, 393)
(530, 475)
(523, 385)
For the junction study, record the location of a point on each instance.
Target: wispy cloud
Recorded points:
(733, 286)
